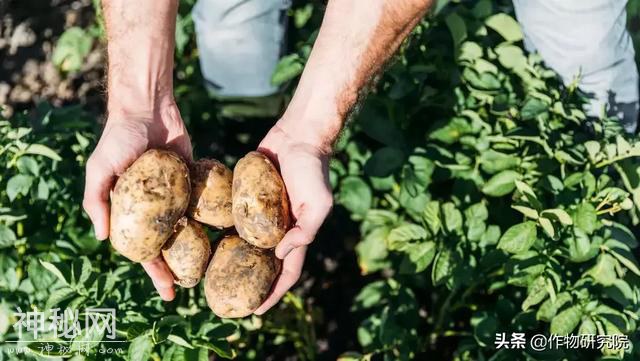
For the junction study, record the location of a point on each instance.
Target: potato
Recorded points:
(211, 193)
(239, 277)
(147, 201)
(187, 252)
(260, 202)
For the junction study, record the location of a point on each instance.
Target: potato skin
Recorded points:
(210, 201)
(187, 252)
(147, 201)
(260, 203)
(239, 277)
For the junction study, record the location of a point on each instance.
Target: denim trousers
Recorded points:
(241, 41)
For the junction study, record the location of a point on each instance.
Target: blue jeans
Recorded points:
(241, 41)
(587, 38)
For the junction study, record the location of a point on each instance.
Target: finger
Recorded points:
(98, 182)
(161, 277)
(311, 216)
(291, 269)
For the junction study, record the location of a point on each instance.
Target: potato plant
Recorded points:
(487, 201)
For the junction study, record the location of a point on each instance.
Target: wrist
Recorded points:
(125, 103)
(312, 120)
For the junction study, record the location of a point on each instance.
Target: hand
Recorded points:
(305, 171)
(125, 137)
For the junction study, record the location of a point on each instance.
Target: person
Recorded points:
(354, 42)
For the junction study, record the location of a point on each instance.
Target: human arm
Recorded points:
(141, 110)
(354, 42)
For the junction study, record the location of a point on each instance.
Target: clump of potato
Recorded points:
(239, 277)
(147, 208)
(187, 252)
(147, 201)
(260, 202)
(211, 193)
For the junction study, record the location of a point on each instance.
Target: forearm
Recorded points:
(140, 46)
(354, 42)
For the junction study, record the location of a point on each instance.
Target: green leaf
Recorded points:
(53, 269)
(220, 347)
(585, 217)
(559, 215)
(529, 212)
(89, 336)
(566, 321)
(418, 257)
(384, 162)
(627, 259)
(490, 236)
(550, 307)
(548, 228)
(506, 26)
(431, 215)
(370, 295)
(621, 292)
(511, 57)
(404, 233)
(71, 49)
(59, 295)
(288, 68)
(449, 132)
(43, 189)
(372, 252)
(442, 267)
(452, 217)
(350, 356)
(140, 348)
(493, 161)
(518, 238)
(179, 341)
(588, 327)
(501, 184)
(355, 195)
(532, 108)
(43, 150)
(536, 293)
(604, 271)
(7, 237)
(19, 184)
(457, 28)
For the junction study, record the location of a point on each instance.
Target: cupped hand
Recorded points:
(125, 137)
(305, 171)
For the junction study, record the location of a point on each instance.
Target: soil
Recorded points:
(28, 31)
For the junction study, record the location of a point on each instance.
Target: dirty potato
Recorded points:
(260, 203)
(187, 252)
(239, 277)
(211, 193)
(147, 201)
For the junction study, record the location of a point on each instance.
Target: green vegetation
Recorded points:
(486, 203)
